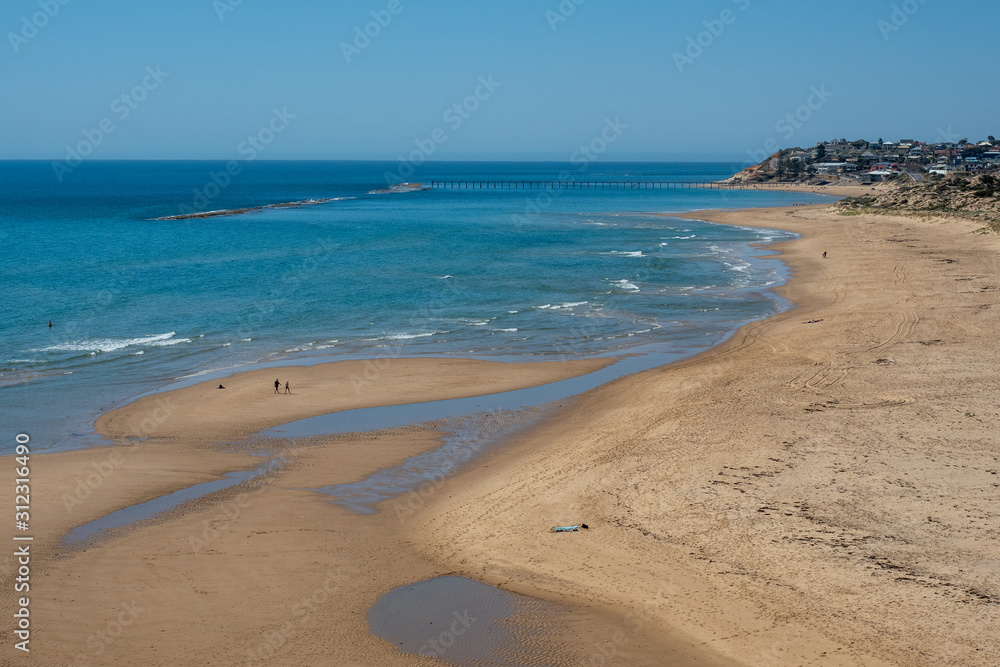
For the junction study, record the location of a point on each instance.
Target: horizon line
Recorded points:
(390, 161)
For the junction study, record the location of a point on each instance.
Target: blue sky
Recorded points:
(200, 76)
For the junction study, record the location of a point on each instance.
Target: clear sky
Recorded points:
(200, 76)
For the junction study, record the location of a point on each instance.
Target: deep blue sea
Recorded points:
(137, 304)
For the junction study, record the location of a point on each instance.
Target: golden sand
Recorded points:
(808, 493)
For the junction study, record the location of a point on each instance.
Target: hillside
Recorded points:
(778, 168)
(867, 162)
(963, 195)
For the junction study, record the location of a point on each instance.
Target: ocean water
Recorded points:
(138, 304)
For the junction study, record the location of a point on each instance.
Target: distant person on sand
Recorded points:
(824, 254)
(287, 390)
(277, 383)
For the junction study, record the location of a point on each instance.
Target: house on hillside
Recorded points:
(878, 175)
(833, 167)
(867, 157)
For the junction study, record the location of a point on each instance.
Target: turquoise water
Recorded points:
(137, 304)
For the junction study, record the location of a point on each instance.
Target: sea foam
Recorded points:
(105, 345)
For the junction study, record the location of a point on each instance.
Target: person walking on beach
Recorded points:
(287, 390)
(277, 383)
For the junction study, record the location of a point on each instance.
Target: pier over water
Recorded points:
(585, 185)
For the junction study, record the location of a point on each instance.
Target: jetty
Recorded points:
(570, 184)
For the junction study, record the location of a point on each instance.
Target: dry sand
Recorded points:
(248, 404)
(824, 493)
(841, 188)
(224, 578)
(805, 494)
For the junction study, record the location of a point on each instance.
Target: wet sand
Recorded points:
(269, 568)
(819, 493)
(807, 493)
(248, 404)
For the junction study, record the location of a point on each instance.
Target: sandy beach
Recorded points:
(218, 580)
(205, 413)
(822, 489)
(840, 188)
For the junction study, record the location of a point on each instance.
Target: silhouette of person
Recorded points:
(287, 390)
(277, 383)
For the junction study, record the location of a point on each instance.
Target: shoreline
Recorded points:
(78, 591)
(246, 406)
(180, 424)
(755, 548)
(836, 189)
(431, 537)
(136, 376)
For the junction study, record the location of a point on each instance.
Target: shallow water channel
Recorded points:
(457, 620)
(474, 425)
